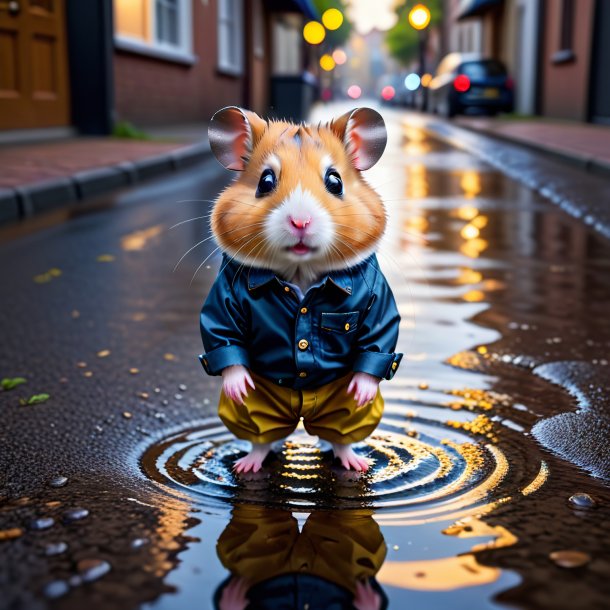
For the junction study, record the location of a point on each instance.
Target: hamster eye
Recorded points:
(267, 183)
(333, 183)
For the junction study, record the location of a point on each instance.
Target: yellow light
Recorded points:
(314, 32)
(466, 212)
(419, 17)
(474, 296)
(339, 56)
(332, 19)
(327, 63)
(469, 232)
(426, 79)
(480, 222)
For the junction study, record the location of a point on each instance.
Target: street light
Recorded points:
(419, 17)
(314, 32)
(332, 19)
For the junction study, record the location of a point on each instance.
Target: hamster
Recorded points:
(300, 322)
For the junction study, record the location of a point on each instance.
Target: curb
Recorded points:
(25, 201)
(590, 164)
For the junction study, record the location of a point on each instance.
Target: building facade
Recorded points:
(86, 65)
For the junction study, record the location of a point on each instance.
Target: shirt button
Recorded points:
(347, 327)
(303, 344)
(302, 374)
(303, 310)
(394, 365)
(286, 289)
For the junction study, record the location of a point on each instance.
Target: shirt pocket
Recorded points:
(337, 333)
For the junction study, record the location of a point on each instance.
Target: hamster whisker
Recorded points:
(243, 265)
(212, 237)
(232, 257)
(357, 255)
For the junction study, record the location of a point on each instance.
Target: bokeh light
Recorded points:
(314, 32)
(354, 92)
(412, 81)
(327, 63)
(388, 92)
(327, 94)
(339, 56)
(426, 79)
(419, 17)
(332, 19)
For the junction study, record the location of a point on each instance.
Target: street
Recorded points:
(497, 417)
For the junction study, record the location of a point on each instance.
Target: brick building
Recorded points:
(85, 65)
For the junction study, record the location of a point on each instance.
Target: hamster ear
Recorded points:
(233, 133)
(363, 134)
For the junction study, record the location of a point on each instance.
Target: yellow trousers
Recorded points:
(271, 412)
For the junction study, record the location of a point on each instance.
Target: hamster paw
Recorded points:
(349, 459)
(252, 462)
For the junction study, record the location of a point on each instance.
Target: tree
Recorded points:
(403, 40)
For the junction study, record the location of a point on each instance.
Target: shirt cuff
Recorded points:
(220, 358)
(377, 364)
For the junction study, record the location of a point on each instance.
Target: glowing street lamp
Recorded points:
(314, 32)
(419, 17)
(332, 19)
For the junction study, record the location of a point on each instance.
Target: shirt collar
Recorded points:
(340, 279)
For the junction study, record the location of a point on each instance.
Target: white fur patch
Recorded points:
(325, 163)
(274, 163)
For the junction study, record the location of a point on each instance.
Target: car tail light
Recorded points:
(510, 83)
(461, 83)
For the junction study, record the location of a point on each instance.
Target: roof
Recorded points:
(473, 8)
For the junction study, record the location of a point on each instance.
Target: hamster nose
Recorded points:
(300, 223)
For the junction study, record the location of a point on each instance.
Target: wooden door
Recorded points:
(33, 64)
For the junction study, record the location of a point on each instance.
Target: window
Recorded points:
(230, 36)
(565, 52)
(162, 28)
(258, 29)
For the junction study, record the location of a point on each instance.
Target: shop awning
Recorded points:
(473, 8)
(305, 7)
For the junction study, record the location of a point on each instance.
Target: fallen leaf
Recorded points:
(103, 353)
(9, 383)
(36, 399)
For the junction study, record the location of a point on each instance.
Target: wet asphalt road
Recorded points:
(506, 340)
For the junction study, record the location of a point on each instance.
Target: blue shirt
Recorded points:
(347, 321)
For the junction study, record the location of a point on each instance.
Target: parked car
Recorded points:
(466, 83)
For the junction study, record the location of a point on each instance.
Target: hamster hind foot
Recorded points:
(349, 459)
(253, 462)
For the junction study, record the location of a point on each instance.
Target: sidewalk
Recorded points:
(582, 143)
(38, 177)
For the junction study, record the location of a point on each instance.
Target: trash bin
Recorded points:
(292, 96)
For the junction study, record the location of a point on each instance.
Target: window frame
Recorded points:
(180, 53)
(565, 53)
(223, 66)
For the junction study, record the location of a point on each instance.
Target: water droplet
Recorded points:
(582, 500)
(160, 415)
(165, 402)
(182, 387)
(178, 396)
(138, 543)
(42, 523)
(55, 548)
(55, 589)
(395, 547)
(206, 401)
(92, 569)
(10, 534)
(58, 481)
(75, 514)
(157, 390)
(570, 559)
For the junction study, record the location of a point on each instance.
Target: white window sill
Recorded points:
(230, 70)
(156, 51)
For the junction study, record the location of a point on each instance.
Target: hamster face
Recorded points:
(300, 203)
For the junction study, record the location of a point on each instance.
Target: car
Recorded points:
(468, 83)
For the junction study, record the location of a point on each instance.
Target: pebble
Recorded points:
(75, 514)
(55, 548)
(178, 396)
(59, 481)
(42, 523)
(157, 390)
(582, 500)
(143, 395)
(165, 402)
(55, 589)
(92, 569)
(127, 415)
(182, 387)
(570, 559)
